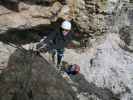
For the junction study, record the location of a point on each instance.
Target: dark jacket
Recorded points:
(56, 40)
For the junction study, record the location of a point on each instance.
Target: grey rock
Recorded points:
(89, 16)
(120, 21)
(29, 76)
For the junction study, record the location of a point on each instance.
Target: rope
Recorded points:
(17, 47)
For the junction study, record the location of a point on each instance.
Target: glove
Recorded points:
(41, 50)
(37, 52)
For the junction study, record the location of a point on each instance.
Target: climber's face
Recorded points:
(65, 32)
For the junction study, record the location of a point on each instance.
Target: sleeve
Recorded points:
(46, 41)
(68, 40)
(49, 38)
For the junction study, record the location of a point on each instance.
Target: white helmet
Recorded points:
(66, 25)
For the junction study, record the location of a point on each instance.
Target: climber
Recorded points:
(72, 69)
(56, 42)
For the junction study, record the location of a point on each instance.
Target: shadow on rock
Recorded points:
(31, 77)
(10, 4)
(43, 2)
(92, 89)
(14, 4)
(27, 35)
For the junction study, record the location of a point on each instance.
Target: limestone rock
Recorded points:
(90, 16)
(106, 65)
(26, 15)
(5, 53)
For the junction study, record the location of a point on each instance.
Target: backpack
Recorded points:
(75, 68)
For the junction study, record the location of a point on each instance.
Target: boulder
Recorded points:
(29, 76)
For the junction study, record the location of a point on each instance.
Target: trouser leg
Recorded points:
(53, 56)
(53, 52)
(59, 59)
(60, 54)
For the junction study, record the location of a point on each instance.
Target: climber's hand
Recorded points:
(37, 52)
(42, 50)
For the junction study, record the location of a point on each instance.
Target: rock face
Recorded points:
(108, 64)
(107, 69)
(111, 67)
(28, 16)
(119, 20)
(25, 14)
(123, 23)
(90, 16)
(30, 77)
(17, 14)
(5, 52)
